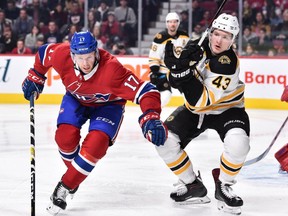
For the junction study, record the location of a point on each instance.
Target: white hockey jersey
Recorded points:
(157, 50)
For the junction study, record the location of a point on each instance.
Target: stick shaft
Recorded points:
(210, 24)
(32, 154)
(261, 156)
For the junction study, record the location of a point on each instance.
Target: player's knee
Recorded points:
(170, 148)
(237, 142)
(67, 137)
(95, 144)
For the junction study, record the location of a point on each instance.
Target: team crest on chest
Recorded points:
(91, 98)
(224, 59)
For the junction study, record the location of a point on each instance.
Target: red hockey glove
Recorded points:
(284, 96)
(33, 83)
(153, 129)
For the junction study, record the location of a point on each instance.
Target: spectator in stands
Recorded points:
(206, 20)
(282, 29)
(101, 12)
(11, 11)
(184, 17)
(275, 19)
(4, 21)
(271, 52)
(91, 20)
(53, 35)
(110, 31)
(97, 35)
(250, 50)
(197, 32)
(39, 43)
(23, 24)
(76, 15)
(38, 12)
(249, 37)
(264, 42)
(121, 49)
(260, 23)
(247, 18)
(51, 4)
(59, 15)
(278, 45)
(8, 40)
(72, 29)
(197, 14)
(31, 38)
(21, 48)
(127, 19)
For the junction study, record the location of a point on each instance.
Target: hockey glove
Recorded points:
(181, 68)
(284, 96)
(33, 84)
(153, 129)
(160, 81)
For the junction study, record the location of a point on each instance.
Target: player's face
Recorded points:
(172, 26)
(85, 61)
(220, 41)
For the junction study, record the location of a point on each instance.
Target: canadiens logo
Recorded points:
(224, 59)
(91, 98)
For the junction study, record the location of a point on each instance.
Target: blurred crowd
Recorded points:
(264, 24)
(27, 24)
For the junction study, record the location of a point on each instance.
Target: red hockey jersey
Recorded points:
(108, 82)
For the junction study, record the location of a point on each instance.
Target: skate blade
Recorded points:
(53, 209)
(194, 201)
(228, 209)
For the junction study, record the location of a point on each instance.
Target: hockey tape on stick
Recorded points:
(261, 156)
(32, 153)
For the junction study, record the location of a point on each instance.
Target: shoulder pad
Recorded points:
(226, 63)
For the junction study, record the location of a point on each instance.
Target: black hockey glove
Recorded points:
(181, 69)
(159, 80)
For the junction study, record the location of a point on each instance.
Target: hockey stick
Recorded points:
(210, 24)
(261, 156)
(32, 153)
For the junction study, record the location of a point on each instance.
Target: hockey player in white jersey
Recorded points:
(208, 77)
(156, 55)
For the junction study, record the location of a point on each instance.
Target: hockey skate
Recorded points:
(193, 193)
(58, 198)
(227, 201)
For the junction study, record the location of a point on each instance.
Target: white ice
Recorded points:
(132, 179)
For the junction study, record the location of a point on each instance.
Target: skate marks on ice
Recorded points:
(131, 179)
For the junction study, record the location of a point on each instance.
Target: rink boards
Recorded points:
(265, 79)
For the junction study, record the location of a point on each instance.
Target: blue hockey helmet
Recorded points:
(83, 43)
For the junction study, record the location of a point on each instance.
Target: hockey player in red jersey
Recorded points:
(97, 88)
(282, 154)
(208, 77)
(284, 96)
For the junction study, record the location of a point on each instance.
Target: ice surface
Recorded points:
(132, 180)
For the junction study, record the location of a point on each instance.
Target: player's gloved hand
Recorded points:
(284, 96)
(160, 81)
(33, 84)
(153, 129)
(157, 77)
(181, 68)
